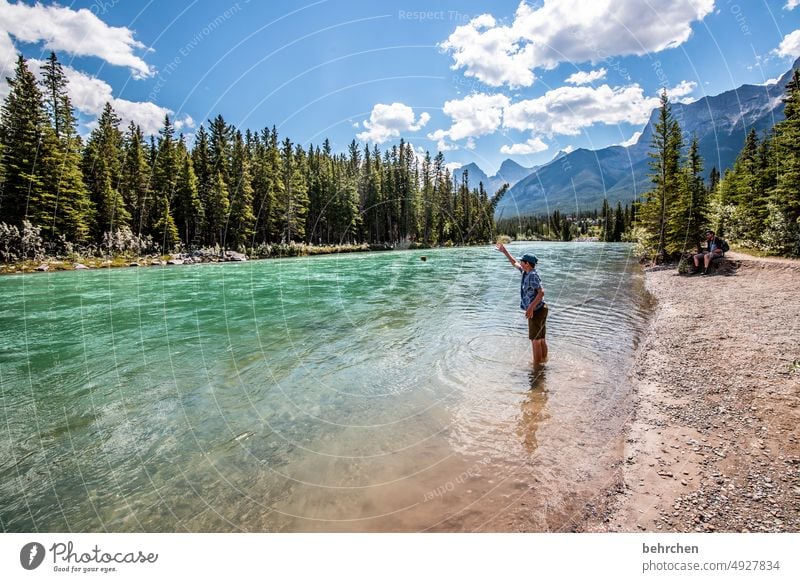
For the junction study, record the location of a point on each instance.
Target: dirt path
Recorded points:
(714, 444)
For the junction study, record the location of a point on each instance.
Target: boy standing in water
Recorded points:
(532, 301)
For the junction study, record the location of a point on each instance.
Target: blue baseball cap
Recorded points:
(529, 258)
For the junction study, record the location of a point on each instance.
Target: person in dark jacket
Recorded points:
(715, 249)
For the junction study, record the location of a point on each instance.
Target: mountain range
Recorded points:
(581, 179)
(510, 172)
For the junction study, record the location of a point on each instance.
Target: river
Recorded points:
(353, 392)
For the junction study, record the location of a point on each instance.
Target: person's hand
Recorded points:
(529, 311)
(500, 247)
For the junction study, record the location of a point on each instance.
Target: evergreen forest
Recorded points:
(755, 204)
(256, 192)
(253, 192)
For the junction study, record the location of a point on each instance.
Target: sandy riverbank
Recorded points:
(714, 442)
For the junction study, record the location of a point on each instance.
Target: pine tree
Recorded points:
(72, 212)
(206, 181)
(102, 170)
(23, 126)
(263, 191)
(689, 214)
(427, 200)
(220, 139)
(348, 216)
(165, 177)
(606, 222)
(135, 175)
(785, 195)
(619, 223)
(665, 165)
(291, 204)
(713, 179)
(188, 208)
(241, 225)
(54, 83)
(217, 210)
(165, 229)
(273, 185)
(372, 195)
(321, 194)
(408, 194)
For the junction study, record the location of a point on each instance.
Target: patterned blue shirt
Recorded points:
(531, 283)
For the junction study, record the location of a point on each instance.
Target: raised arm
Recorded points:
(502, 248)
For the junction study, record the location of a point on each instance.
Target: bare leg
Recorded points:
(539, 351)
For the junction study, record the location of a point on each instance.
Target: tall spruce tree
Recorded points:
(135, 177)
(23, 128)
(689, 215)
(220, 140)
(54, 85)
(241, 225)
(102, 170)
(348, 217)
(165, 177)
(206, 182)
(188, 210)
(320, 193)
(217, 210)
(291, 205)
(426, 193)
(619, 223)
(72, 210)
(655, 212)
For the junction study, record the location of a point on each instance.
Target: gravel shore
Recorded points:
(714, 442)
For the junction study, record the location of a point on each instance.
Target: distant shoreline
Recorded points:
(134, 261)
(55, 264)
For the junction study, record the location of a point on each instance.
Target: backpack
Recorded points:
(723, 244)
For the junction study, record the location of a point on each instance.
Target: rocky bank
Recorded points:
(714, 441)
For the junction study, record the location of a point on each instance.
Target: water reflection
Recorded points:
(533, 408)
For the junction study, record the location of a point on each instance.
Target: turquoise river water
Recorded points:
(354, 392)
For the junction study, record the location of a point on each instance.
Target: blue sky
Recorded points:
(482, 81)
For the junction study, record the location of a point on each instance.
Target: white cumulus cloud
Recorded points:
(390, 121)
(491, 53)
(577, 31)
(680, 92)
(77, 32)
(791, 4)
(531, 146)
(567, 110)
(472, 116)
(584, 78)
(790, 45)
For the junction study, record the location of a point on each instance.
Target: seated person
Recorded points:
(715, 249)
